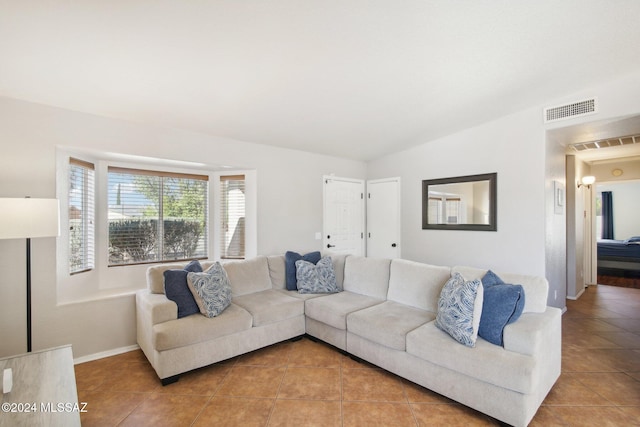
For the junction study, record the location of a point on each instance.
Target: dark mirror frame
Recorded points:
(493, 202)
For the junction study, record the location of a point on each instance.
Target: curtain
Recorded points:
(607, 215)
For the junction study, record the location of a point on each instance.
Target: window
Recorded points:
(81, 216)
(156, 216)
(232, 214)
(444, 209)
(452, 205)
(435, 210)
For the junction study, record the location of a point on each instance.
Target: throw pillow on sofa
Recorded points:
(316, 279)
(290, 259)
(211, 290)
(177, 290)
(503, 304)
(459, 309)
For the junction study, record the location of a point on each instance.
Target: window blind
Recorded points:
(435, 210)
(232, 214)
(81, 216)
(453, 210)
(156, 216)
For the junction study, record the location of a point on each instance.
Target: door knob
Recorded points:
(330, 246)
(393, 245)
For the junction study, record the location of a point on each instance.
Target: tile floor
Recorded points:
(305, 383)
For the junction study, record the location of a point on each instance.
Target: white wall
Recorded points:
(289, 206)
(498, 146)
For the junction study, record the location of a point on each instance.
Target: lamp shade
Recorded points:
(27, 217)
(588, 179)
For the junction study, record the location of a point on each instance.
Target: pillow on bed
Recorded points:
(635, 240)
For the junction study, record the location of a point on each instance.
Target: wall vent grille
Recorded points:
(569, 111)
(605, 143)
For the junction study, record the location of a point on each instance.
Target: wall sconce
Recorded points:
(587, 181)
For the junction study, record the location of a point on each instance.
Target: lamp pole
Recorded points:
(28, 295)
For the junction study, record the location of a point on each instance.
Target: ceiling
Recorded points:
(351, 78)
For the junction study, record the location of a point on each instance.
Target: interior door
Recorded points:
(343, 215)
(383, 218)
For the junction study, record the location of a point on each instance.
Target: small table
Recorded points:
(44, 390)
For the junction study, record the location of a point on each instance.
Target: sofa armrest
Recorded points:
(533, 332)
(156, 307)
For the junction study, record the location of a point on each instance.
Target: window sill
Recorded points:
(100, 296)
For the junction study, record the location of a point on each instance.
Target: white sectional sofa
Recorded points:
(384, 314)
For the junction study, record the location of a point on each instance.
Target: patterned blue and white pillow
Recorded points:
(211, 290)
(316, 279)
(459, 309)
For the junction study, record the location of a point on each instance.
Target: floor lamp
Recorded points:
(29, 218)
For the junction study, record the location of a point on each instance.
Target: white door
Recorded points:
(383, 218)
(343, 215)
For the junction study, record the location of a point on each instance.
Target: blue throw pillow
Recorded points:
(503, 304)
(290, 259)
(177, 289)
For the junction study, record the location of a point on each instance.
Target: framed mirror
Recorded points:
(460, 203)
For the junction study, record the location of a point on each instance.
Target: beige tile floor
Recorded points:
(308, 383)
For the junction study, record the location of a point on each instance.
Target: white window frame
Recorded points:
(87, 215)
(103, 282)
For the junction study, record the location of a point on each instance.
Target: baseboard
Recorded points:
(577, 296)
(103, 354)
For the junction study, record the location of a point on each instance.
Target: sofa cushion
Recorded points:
(502, 304)
(290, 259)
(211, 290)
(367, 276)
(486, 362)
(459, 309)
(177, 290)
(155, 276)
(276, 271)
(338, 261)
(195, 329)
(535, 288)
(270, 306)
(417, 284)
(316, 279)
(333, 309)
(387, 323)
(248, 276)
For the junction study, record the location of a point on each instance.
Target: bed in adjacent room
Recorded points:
(619, 257)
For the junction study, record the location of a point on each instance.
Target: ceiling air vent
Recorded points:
(569, 111)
